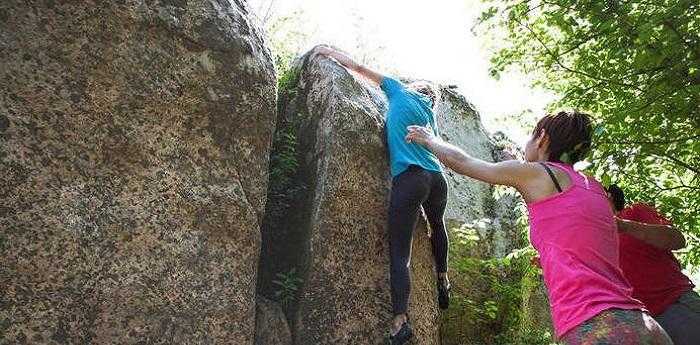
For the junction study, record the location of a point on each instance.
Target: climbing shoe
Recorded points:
(443, 287)
(403, 335)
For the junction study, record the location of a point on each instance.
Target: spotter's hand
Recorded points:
(420, 135)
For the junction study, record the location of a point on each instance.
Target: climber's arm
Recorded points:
(510, 173)
(350, 64)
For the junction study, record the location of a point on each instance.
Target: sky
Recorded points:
(420, 39)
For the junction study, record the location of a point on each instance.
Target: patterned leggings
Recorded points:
(618, 327)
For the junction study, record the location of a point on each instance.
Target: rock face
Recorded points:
(473, 203)
(327, 220)
(324, 232)
(345, 295)
(271, 324)
(134, 141)
(483, 224)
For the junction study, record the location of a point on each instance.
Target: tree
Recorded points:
(635, 65)
(286, 30)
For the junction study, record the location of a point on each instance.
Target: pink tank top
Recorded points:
(576, 236)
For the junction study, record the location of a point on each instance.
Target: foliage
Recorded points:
(636, 66)
(488, 296)
(286, 83)
(286, 31)
(288, 284)
(284, 186)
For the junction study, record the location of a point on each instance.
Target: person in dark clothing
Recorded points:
(417, 182)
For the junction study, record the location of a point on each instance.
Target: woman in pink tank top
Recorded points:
(572, 227)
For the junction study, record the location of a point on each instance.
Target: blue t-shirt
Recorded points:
(406, 108)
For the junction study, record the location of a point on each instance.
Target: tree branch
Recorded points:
(679, 163)
(584, 91)
(663, 142)
(582, 42)
(571, 70)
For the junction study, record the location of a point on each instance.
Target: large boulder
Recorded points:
(325, 243)
(325, 228)
(134, 142)
(491, 211)
(485, 226)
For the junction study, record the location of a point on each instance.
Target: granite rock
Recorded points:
(134, 143)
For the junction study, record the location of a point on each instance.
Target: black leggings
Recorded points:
(409, 190)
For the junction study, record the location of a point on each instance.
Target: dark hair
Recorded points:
(425, 89)
(569, 135)
(617, 195)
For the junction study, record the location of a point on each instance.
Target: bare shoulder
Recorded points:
(520, 173)
(527, 169)
(541, 184)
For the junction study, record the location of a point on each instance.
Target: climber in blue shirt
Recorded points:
(417, 180)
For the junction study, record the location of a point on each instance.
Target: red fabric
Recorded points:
(654, 273)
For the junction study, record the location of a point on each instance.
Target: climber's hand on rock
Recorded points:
(420, 135)
(341, 57)
(350, 64)
(325, 51)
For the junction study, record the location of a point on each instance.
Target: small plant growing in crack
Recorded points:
(287, 286)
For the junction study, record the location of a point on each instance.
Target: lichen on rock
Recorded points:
(134, 154)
